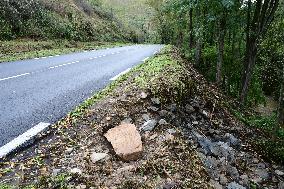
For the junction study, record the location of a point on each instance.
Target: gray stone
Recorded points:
(189, 109)
(279, 173)
(76, 171)
(163, 113)
(244, 179)
(163, 122)
(143, 95)
(231, 140)
(262, 173)
(153, 108)
(223, 179)
(55, 172)
(149, 125)
(172, 107)
(146, 117)
(281, 185)
(222, 149)
(216, 184)
(171, 131)
(126, 121)
(233, 172)
(261, 166)
(97, 157)
(156, 101)
(234, 185)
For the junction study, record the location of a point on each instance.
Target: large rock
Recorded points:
(148, 125)
(126, 141)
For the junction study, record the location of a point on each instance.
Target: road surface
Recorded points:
(47, 88)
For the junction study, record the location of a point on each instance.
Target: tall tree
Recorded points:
(257, 25)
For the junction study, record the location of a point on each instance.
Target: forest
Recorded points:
(239, 45)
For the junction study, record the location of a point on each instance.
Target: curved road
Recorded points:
(46, 89)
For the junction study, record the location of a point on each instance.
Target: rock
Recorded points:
(281, 185)
(163, 113)
(69, 150)
(261, 166)
(231, 140)
(244, 180)
(143, 95)
(156, 101)
(126, 121)
(189, 109)
(55, 172)
(163, 122)
(76, 171)
(172, 107)
(126, 141)
(216, 184)
(169, 137)
(153, 108)
(81, 186)
(152, 137)
(234, 185)
(170, 185)
(97, 156)
(149, 125)
(146, 117)
(279, 173)
(262, 174)
(127, 168)
(233, 172)
(205, 113)
(222, 149)
(223, 179)
(195, 122)
(171, 131)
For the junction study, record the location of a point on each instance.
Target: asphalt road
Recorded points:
(46, 89)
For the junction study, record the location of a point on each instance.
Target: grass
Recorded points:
(27, 48)
(175, 86)
(271, 144)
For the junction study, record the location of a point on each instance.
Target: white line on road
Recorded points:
(36, 58)
(22, 139)
(14, 76)
(44, 57)
(122, 73)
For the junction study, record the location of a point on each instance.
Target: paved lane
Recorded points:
(46, 89)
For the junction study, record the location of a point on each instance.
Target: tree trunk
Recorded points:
(221, 41)
(198, 51)
(249, 64)
(190, 29)
(280, 111)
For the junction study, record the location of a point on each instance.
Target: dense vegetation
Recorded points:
(236, 44)
(82, 20)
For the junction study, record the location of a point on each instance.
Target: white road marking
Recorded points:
(50, 56)
(112, 53)
(145, 59)
(50, 67)
(36, 58)
(120, 74)
(104, 55)
(22, 139)
(57, 55)
(12, 77)
(100, 56)
(91, 58)
(44, 57)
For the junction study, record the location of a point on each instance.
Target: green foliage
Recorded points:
(166, 77)
(75, 19)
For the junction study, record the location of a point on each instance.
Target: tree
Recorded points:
(257, 25)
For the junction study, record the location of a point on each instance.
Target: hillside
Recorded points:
(136, 15)
(72, 19)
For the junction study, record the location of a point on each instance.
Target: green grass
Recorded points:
(26, 49)
(271, 144)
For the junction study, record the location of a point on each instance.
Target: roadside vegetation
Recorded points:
(34, 28)
(238, 46)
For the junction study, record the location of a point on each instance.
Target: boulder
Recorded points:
(97, 156)
(148, 125)
(126, 141)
